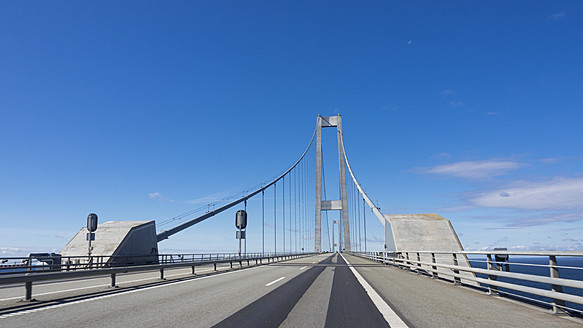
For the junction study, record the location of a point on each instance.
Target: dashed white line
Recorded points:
(390, 316)
(303, 268)
(273, 282)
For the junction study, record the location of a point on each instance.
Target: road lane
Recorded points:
(350, 305)
(327, 295)
(319, 291)
(425, 302)
(193, 302)
(47, 290)
(312, 308)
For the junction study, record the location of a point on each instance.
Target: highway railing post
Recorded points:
(28, 291)
(456, 280)
(161, 273)
(418, 263)
(113, 285)
(558, 305)
(434, 273)
(492, 290)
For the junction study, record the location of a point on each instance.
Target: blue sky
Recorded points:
(145, 110)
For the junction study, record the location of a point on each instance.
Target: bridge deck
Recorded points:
(318, 291)
(425, 302)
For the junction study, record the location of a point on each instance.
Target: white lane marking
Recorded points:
(313, 262)
(303, 268)
(273, 282)
(4, 316)
(96, 286)
(390, 316)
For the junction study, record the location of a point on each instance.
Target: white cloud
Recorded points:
(557, 16)
(475, 169)
(549, 160)
(558, 194)
(23, 251)
(459, 208)
(213, 198)
(447, 92)
(547, 218)
(158, 196)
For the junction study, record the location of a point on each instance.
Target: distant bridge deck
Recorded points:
(316, 291)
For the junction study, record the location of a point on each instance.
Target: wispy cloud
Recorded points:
(549, 160)
(213, 198)
(557, 16)
(22, 251)
(447, 93)
(158, 196)
(474, 169)
(459, 208)
(546, 219)
(558, 194)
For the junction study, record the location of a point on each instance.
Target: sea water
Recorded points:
(569, 268)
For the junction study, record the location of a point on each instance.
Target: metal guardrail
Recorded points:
(538, 273)
(36, 263)
(28, 276)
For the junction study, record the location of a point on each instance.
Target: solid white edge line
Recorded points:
(273, 282)
(390, 316)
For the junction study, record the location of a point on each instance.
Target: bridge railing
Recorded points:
(549, 278)
(29, 273)
(36, 263)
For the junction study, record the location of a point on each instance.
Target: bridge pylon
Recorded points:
(331, 205)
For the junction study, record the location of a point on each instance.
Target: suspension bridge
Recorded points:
(314, 268)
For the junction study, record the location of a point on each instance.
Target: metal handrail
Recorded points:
(27, 278)
(17, 265)
(501, 252)
(451, 271)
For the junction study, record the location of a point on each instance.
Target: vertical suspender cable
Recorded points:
(263, 222)
(300, 204)
(359, 227)
(364, 217)
(296, 211)
(245, 233)
(356, 221)
(275, 218)
(290, 206)
(283, 212)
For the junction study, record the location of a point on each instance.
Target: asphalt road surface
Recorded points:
(315, 291)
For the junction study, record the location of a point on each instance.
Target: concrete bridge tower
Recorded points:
(330, 205)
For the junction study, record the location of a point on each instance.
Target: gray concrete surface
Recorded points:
(187, 302)
(118, 238)
(424, 302)
(316, 291)
(429, 232)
